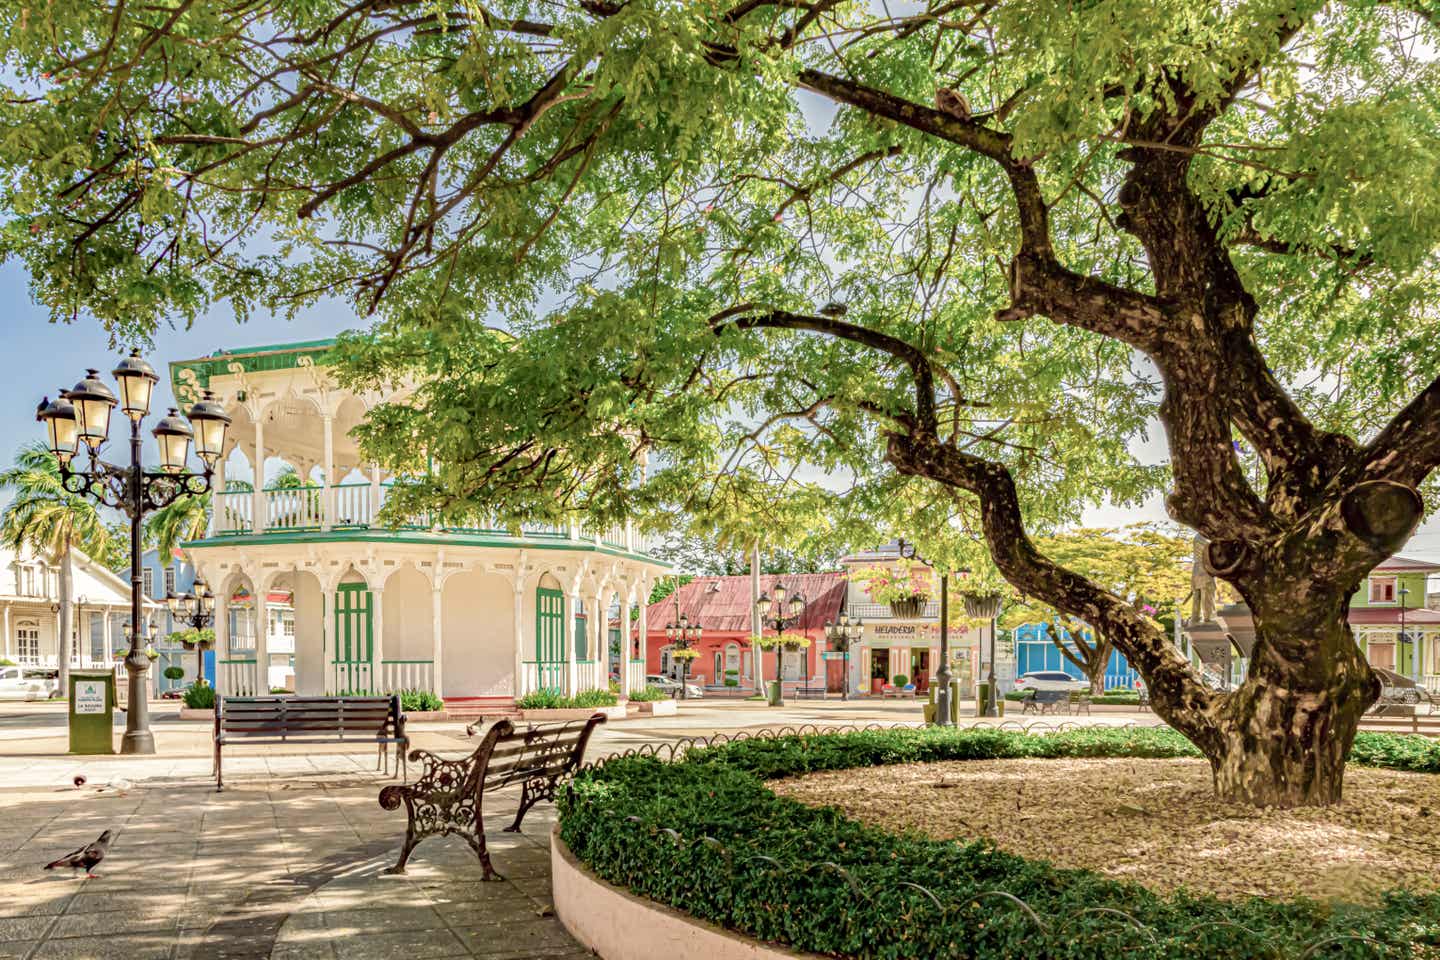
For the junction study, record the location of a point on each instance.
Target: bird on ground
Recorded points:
(85, 858)
(79, 780)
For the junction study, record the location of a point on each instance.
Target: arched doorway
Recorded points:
(352, 663)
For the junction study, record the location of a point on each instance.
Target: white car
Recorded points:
(672, 687)
(1050, 681)
(29, 683)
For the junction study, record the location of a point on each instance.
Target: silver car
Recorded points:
(1052, 681)
(672, 687)
(29, 683)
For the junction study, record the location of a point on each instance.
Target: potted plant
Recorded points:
(191, 639)
(901, 585)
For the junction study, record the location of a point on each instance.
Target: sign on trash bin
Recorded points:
(92, 707)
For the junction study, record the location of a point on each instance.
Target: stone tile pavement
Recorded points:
(280, 868)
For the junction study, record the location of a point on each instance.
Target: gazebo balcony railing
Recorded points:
(354, 506)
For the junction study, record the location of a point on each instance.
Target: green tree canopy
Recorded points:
(45, 517)
(743, 243)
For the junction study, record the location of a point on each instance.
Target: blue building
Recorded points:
(1034, 650)
(159, 577)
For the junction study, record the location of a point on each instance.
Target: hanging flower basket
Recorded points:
(908, 607)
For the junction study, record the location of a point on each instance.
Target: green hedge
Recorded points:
(199, 696)
(553, 700)
(778, 870)
(420, 701)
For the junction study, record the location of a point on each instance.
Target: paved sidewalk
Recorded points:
(284, 869)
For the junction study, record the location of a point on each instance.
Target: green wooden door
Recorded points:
(550, 638)
(354, 639)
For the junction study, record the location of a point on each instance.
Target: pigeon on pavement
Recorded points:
(85, 858)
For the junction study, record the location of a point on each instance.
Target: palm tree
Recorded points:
(185, 519)
(50, 520)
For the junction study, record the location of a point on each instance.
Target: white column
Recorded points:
(437, 643)
(8, 643)
(601, 641)
(377, 642)
(374, 492)
(519, 687)
(262, 640)
(327, 639)
(644, 626)
(259, 478)
(217, 500)
(328, 466)
(105, 633)
(572, 606)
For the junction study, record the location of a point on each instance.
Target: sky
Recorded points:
(43, 356)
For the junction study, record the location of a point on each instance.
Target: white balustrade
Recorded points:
(400, 675)
(634, 677)
(294, 508)
(882, 611)
(237, 678)
(236, 511)
(352, 505)
(529, 678)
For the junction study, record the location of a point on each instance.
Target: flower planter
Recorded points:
(656, 708)
(616, 712)
(187, 713)
(908, 609)
(420, 716)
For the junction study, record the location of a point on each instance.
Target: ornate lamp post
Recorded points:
(195, 609)
(779, 613)
(986, 606)
(683, 634)
(81, 415)
(842, 636)
(942, 675)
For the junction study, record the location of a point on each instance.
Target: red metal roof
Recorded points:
(1405, 563)
(1372, 616)
(722, 604)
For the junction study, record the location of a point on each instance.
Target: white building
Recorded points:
(483, 614)
(30, 611)
(908, 643)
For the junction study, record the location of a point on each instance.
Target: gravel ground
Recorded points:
(1156, 822)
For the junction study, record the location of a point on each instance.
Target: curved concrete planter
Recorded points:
(657, 708)
(616, 712)
(188, 714)
(618, 925)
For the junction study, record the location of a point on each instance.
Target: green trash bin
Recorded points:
(772, 693)
(92, 711)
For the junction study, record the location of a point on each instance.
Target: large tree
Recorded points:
(976, 244)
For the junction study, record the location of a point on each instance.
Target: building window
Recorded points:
(288, 625)
(169, 580)
(1382, 589)
(147, 582)
(27, 636)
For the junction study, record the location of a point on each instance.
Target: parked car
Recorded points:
(1051, 680)
(672, 687)
(29, 683)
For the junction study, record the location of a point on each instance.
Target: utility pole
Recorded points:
(756, 654)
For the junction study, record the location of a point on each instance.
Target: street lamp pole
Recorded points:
(81, 415)
(196, 609)
(942, 675)
(842, 636)
(986, 606)
(682, 633)
(1405, 637)
(775, 612)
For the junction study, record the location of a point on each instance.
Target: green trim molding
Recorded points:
(189, 377)
(367, 535)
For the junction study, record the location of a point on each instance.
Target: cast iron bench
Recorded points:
(448, 797)
(376, 720)
(1044, 701)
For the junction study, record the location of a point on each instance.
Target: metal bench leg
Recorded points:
(411, 841)
(477, 843)
(219, 774)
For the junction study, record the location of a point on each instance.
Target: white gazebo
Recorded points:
(483, 613)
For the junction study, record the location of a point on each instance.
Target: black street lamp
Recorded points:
(842, 636)
(195, 609)
(942, 675)
(683, 634)
(1405, 637)
(81, 415)
(986, 606)
(781, 614)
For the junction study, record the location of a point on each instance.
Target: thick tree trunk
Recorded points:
(1286, 731)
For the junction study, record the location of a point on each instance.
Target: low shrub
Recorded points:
(731, 682)
(173, 673)
(811, 878)
(420, 701)
(899, 680)
(554, 700)
(648, 694)
(199, 697)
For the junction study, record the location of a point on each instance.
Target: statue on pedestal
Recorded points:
(1202, 585)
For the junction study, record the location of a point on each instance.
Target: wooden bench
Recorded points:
(376, 720)
(1044, 701)
(448, 798)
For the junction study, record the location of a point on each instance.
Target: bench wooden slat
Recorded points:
(350, 720)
